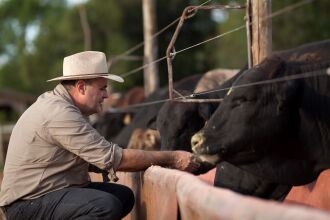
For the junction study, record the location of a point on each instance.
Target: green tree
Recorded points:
(305, 24)
(15, 44)
(116, 26)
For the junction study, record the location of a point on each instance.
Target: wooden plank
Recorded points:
(160, 191)
(155, 195)
(198, 201)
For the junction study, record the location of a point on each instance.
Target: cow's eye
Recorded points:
(238, 101)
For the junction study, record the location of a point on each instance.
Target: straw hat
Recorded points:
(86, 65)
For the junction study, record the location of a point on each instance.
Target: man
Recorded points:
(52, 145)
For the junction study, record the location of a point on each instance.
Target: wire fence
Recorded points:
(320, 72)
(282, 11)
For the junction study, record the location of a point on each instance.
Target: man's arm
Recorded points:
(136, 160)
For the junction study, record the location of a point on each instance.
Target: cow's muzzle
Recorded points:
(197, 143)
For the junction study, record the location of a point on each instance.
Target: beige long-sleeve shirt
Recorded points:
(50, 148)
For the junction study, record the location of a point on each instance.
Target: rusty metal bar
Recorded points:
(179, 94)
(170, 50)
(187, 13)
(199, 100)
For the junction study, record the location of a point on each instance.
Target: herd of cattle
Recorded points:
(263, 138)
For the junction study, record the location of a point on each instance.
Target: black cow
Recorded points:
(111, 123)
(177, 122)
(279, 131)
(147, 114)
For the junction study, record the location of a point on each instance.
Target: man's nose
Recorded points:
(106, 94)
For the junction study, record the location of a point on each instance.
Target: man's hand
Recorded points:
(185, 161)
(137, 160)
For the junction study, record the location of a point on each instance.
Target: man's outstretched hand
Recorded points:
(185, 161)
(137, 160)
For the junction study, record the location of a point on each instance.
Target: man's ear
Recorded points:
(81, 86)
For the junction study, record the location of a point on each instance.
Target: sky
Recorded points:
(73, 2)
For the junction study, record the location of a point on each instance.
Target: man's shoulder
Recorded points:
(51, 105)
(51, 99)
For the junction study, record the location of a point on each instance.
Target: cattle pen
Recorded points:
(168, 194)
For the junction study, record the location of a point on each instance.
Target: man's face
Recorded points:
(95, 93)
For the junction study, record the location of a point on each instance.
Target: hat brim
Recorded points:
(89, 76)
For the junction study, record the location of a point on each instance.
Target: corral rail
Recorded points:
(164, 194)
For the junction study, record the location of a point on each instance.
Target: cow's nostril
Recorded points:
(196, 141)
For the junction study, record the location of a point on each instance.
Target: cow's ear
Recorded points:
(275, 66)
(206, 110)
(152, 123)
(287, 95)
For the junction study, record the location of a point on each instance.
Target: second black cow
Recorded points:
(278, 131)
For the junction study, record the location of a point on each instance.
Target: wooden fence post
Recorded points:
(151, 80)
(261, 28)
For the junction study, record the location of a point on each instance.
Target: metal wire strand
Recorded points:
(277, 13)
(188, 98)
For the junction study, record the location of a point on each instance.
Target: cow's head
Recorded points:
(253, 120)
(176, 123)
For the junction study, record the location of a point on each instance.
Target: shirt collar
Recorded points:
(61, 91)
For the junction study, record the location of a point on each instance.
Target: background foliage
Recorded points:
(27, 61)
